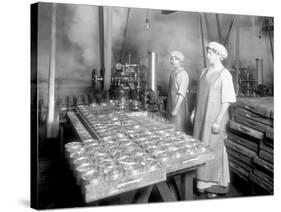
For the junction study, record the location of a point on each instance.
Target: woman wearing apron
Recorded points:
(177, 104)
(216, 93)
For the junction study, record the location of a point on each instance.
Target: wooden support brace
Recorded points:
(165, 192)
(143, 194)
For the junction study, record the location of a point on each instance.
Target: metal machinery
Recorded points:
(133, 86)
(252, 84)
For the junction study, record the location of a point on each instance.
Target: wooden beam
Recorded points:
(219, 28)
(209, 37)
(51, 133)
(237, 55)
(202, 40)
(225, 43)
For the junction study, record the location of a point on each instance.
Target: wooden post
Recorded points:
(52, 77)
(207, 28)
(219, 28)
(202, 40)
(237, 56)
(225, 43)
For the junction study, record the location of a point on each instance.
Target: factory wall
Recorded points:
(77, 49)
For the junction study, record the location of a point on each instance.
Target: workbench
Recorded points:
(181, 173)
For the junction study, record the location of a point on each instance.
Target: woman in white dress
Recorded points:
(215, 94)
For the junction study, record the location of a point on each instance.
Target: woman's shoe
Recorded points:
(218, 189)
(202, 191)
(211, 195)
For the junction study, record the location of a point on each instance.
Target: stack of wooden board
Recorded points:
(250, 140)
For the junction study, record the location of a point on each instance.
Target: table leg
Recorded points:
(143, 194)
(165, 192)
(188, 185)
(127, 198)
(179, 185)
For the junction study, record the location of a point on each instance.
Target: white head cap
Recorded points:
(219, 49)
(177, 54)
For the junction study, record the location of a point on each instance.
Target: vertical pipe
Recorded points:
(261, 70)
(202, 40)
(257, 71)
(108, 50)
(101, 36)
(152, 71)
(52, 76)
(129, 60)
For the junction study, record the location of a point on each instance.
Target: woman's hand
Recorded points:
(192, 116)
(216, 128)
(174, 112)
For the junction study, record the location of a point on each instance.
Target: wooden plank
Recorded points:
(250, 115)
(246, 130)
(264, 176)
(266, 148)
(242, 159)
(261, 105)
(179, 185)
(250, 123)
(240, 149)
(239, 170)
(250, 144)
(266, 156)
(261, 183)
(263, 164)
(269, 133)
(240, 163)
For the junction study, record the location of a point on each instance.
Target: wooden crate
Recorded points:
(245, 130)
(266, 155)
(251, 144)
(240, 149)
(262, 105)
(240, 163)
(243, 173)
(264, 165)
(240, 111)
(261, 183)
(251, 123)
